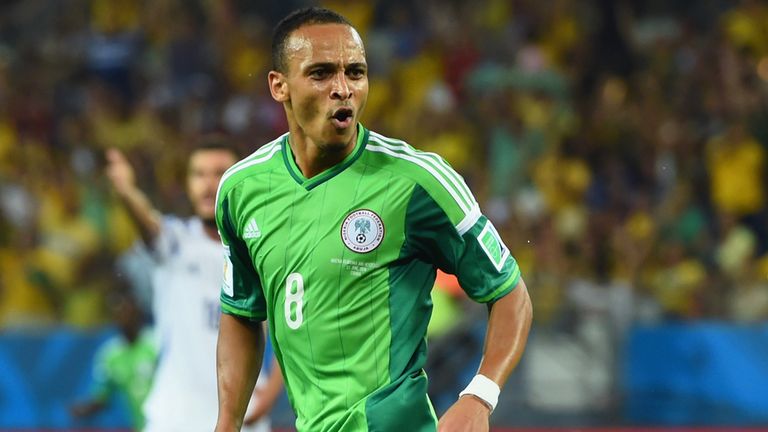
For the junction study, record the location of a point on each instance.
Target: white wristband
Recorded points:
(484, 388)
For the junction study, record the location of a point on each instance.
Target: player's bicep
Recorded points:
(466, 245)
(102, 385)
(241, 289)
(486, 269)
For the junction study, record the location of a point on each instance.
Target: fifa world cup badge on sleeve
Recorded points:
(362, 231)
(493, 246)
(228, 285)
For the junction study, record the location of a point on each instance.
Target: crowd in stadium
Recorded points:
(620, 148)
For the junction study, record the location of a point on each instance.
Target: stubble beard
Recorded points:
(333, 148)
(339, 144)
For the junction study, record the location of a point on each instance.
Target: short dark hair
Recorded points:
(294, 21)
(216, 142)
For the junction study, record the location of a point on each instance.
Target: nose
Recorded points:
(340, 87)
(212, 183)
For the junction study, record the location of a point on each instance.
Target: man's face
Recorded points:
(127, 314)
(325, 84)
(205, 170)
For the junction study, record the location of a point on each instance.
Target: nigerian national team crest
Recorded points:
(362, 231)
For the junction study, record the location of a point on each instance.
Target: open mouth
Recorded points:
(342, 117)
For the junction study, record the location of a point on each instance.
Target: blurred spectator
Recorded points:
(736, 162)
(124, 365)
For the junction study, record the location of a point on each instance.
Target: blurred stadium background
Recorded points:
(619, 146)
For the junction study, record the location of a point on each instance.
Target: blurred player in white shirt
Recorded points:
(186, 284)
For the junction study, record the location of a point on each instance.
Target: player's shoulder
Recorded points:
(253, 164)
(425, 168)
(179, 226)
(429, 171)
(149, 339)
(174, 221)
(111, 348)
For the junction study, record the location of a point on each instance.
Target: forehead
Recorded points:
(324, 43)
(211, 158)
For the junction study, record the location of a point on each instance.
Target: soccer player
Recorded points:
(125, 363)
(333, 234)
(186, 285)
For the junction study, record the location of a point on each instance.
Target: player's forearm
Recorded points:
(238, 361)
(142, 212)
(508, 326)
(87, 408)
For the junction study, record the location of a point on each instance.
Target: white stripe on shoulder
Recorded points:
(261, 158)
(267, 155)
(261, 150)
(429, 168)
(433, 159)
(469, 220)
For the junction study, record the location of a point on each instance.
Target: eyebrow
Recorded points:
(332, 65)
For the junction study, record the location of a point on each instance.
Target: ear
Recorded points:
(278, 86)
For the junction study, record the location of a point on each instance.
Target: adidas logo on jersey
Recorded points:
(252, 230)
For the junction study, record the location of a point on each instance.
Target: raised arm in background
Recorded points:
(123, 179)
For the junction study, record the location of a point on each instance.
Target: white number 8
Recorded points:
(294, 296)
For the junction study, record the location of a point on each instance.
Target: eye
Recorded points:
(356, 73)
(318, 74)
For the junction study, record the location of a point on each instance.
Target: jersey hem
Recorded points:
(504, 289)
(230, 310)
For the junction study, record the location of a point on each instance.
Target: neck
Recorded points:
(313, 158)
(209, 226)
(131, 334)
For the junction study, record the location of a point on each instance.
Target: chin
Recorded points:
(206, 214)
(335, 145)
(341, 137)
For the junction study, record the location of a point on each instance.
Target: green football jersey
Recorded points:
(341, 266)
(127, 368)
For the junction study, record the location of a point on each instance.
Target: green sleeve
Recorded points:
(241, 291)
(103, 385)
(478, 257)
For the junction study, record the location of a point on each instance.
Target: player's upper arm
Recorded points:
(165, 244)
(103, 384)
(241, 289)
(445, 221)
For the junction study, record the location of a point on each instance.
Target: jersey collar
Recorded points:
(308, 184)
